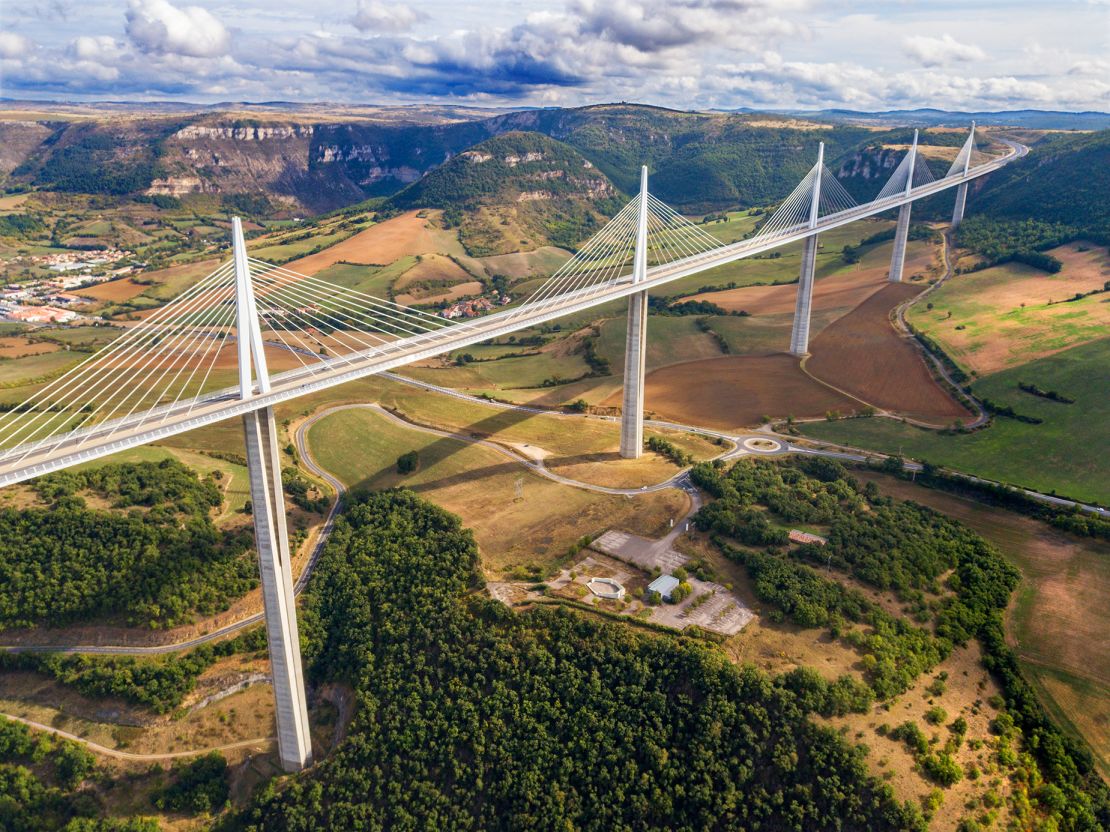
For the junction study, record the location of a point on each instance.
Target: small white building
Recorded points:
(605, 588)
(664, 585)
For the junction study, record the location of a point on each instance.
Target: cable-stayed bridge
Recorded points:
(172, 371)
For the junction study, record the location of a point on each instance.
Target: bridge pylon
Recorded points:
(635, 345)
(902, 230)
(961, 189)
(799, 334)
(270, 532)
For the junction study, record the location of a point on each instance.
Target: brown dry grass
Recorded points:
(1002, 317)
(845, 289)
(1057, 619)
(736, 391)
(406, 235)
(842, 290)
(16, 347)
(862, 354)
(432, 267)
(452, 293)
(780, 648)
(115, 291)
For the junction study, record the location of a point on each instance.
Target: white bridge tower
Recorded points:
(635, 348)
(270, 533)
(799, 335)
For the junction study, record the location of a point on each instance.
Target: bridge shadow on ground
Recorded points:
(440, 450)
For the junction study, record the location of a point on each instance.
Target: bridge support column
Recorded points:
(275, 566)
(902, 230)
(635, 345)
(961, 203)
(270, 532)
(901, 236)
(799, 334)
(635, 349)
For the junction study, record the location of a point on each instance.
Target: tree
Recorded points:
(408, 462)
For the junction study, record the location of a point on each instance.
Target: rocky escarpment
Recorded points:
(20, 139)
(516, 190)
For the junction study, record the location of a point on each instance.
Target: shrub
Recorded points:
(408, 462)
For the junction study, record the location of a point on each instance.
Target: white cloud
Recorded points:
(98, 48)
(13, 46)
(160, 27)
(683, 53)
(385, 18)
(930, 52)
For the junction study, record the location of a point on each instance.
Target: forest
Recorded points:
(154, 557)
(910, 549)
(41, 786)
(472, 716)
(159, 683)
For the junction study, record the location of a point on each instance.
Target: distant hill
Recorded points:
(700, 161)
(1029, 119)
(515, 192)
(315, 160)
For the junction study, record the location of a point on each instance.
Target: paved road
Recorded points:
(742, 442)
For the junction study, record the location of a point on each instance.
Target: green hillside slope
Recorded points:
(516, 192)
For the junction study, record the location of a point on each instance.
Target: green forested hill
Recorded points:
(1064, 179)
(699, 161)
(518, 190)
(475, 717)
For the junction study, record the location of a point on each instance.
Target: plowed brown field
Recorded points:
(408, 234)
(844, 290)
(736, 391)
(864, 355)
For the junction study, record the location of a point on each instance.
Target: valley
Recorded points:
(486, 506)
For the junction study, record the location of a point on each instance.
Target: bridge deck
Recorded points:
(111, 437)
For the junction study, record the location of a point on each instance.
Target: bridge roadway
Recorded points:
(159, 423)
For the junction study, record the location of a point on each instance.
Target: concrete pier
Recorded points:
(275, 567)
(635, 349)
(270, 533)
(901, 236)
(799, 334)
(961, 203)
(635, 345)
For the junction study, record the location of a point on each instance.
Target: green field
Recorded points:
(279, 252)
(372, 280)
(1012, 313)
(18, 372)
(1066, 454)
(507, 373)
(518, 517)
(82, 337)
(670, 341)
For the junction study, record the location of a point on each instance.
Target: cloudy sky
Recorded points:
(861, 54)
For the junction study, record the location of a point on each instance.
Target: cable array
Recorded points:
(795, 212)
(324, 324)
(607, 257)
(896, 185)
(163, 360)
(170, 362)
(970, 156)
